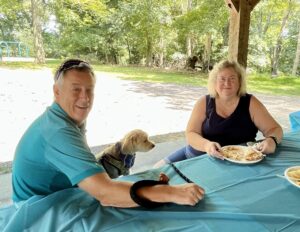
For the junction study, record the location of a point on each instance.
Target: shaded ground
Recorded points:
(120, 106)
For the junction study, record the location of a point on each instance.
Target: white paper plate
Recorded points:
(293, 182)
(243, 151)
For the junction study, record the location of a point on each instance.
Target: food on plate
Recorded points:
(233, 152)
(294, 174)
(241, 153)
(253, 155)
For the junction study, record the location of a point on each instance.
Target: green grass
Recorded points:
(261, 83)
(155, 75)
(281, 85)
(30, 65)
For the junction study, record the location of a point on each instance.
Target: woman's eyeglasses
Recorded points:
(222, 80)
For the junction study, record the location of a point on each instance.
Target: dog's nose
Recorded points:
(153, 145)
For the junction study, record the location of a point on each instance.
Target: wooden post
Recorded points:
(244, 21)
(240, 11)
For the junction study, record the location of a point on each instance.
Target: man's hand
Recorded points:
(187, 194)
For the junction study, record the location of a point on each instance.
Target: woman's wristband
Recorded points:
(143, 201)
(274, 139)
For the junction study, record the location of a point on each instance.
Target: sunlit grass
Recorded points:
(282, 85)
(29, 65)
(155, 75)
(261, 83)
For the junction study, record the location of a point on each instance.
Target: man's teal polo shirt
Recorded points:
(52, 155)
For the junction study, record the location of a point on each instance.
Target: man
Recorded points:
(53, 153)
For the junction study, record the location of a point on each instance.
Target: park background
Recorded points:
(166, 34)
(166, 43)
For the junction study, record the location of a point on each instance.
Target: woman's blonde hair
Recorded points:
(221, 66)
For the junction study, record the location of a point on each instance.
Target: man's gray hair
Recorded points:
(70, 64)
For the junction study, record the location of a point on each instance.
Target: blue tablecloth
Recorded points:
(295, 120)
(238, 198)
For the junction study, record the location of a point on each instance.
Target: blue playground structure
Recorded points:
(13, 49)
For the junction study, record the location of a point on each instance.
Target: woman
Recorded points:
(227, 116)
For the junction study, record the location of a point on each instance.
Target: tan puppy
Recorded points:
(118, 158)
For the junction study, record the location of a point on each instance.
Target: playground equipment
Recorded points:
(13, 49)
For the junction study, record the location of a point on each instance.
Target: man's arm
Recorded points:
(117, 193)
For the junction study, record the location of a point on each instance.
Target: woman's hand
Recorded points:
(187, 194)
(266, 146)
(213, 149)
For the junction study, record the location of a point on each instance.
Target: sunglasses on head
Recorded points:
(71, 64)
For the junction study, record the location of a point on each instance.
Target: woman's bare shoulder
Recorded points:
(254, 101)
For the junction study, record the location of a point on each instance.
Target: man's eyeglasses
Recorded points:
(72, 64)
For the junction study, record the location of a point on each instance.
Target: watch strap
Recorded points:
(274, 139)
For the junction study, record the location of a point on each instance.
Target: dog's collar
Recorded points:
(118, 164)
(123, 164)
(127, 159)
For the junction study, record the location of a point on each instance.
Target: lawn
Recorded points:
(262, 83)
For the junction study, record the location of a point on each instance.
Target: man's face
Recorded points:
(75, 94)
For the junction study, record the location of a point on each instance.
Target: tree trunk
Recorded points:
(297, 58)
(36, 11)
(149, 52)
(161, 53)
(240, 13)
(128, 49)
(277, 49)
(207, 52)
(189, 45)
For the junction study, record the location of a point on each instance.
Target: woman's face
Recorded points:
(227, 83)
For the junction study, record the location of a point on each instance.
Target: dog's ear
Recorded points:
(128, 144)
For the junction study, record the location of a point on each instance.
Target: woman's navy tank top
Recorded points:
(238, 128)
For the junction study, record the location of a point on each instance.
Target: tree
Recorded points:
(37, 12)
(205, 23)
(189, 41)
(272, 36)
(297, 57)
(82, 28)
(278, 46)
(15, 21)
(143, 23)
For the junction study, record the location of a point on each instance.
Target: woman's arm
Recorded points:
(117, 193)
(193, 131)
(266, 124)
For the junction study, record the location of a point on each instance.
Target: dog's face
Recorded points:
(136, 141)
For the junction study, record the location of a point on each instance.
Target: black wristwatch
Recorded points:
(274, 139)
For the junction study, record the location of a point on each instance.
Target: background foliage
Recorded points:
(163, 33)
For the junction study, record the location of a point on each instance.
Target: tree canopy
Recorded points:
(155, 32)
